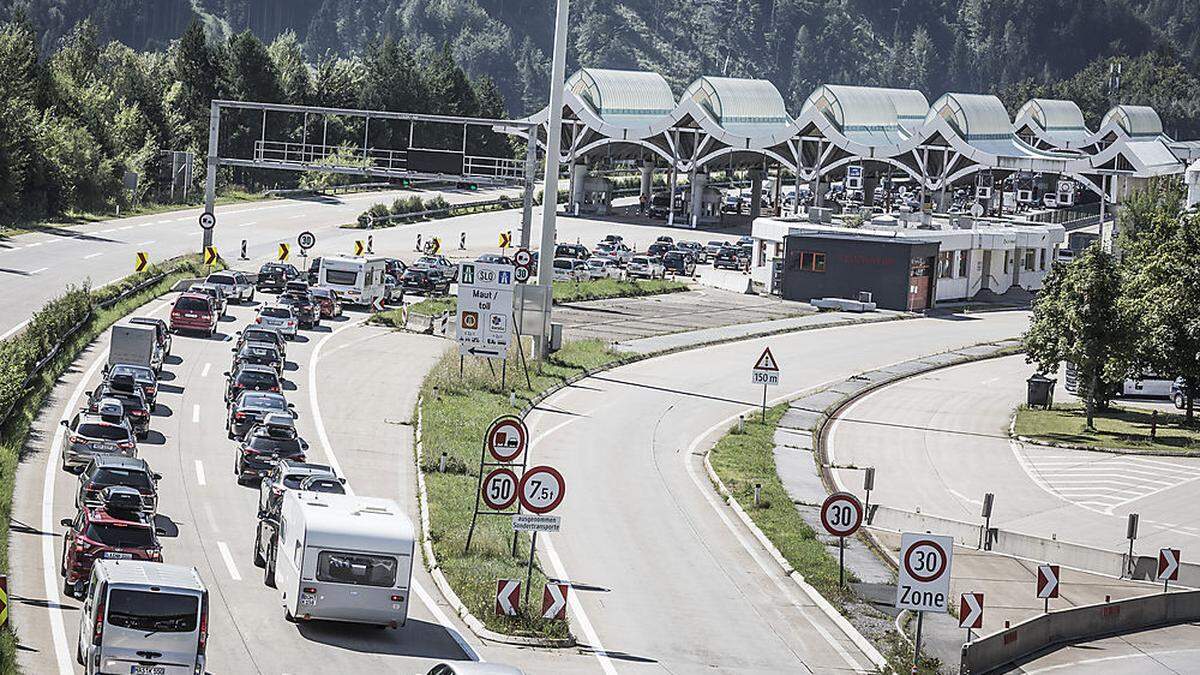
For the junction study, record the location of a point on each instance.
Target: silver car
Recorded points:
(647, 267)
(105, 432)
(279, 317)
(604, 268)
(236, 285)
(439, 263)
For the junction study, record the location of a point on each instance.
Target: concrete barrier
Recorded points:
(1088, 622)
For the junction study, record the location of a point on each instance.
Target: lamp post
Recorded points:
(550, 183)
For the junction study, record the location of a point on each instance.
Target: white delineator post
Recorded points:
(553, 149)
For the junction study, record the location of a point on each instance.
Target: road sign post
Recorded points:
(503, 451)
(485, 309)
(988, 499)
(841, 515)
(1131, 533)
(1168, 566)
(210, 256)
(554, 601)
(923, 583)
(142, 261)
(766, 373)
(541, 491)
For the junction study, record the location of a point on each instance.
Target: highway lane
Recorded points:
(211, 518)
(940, 441)
(667, 580)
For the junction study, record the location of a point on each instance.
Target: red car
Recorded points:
(194, 312)
(94, 534)
(328, 302)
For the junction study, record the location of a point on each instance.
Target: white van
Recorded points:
(356, 280)
(135, 344)
(342, 558)
(143, 618)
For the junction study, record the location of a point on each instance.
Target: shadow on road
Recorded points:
(154, 438)
(7, 270)
(171, 360)
(162, 410)
(17, 526)
(752, 404)
(417, 639)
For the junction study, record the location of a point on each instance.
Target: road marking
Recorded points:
(204, 371)
(577, 608)
(228, 558)
(164, 221)
(93, 255)
(146, 224)
(12, 331)
(39, 270)
(111, 229)
(1101, 484)
(200, 473)
(212, 519)
(1151, 656)
(127, 227)
(252, 222)
(195, 413)
(36, 243)
(144, 243)
(299, 215)
(963, 497)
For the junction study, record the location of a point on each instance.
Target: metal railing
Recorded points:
(378, 160)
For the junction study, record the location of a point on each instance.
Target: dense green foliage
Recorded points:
(1006, 46)
(74, 120)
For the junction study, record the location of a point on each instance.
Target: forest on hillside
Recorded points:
(1010, 47)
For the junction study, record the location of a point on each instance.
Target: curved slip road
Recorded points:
(939, 441)
(666, 579)
(354, 406)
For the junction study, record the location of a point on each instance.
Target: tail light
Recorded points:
(274, 389)
(150, 390)
(98, 629)
(397, 598)
(258, 320)
(300, 458)
(309, 589)
(203, 639)
(126, 445)
(239, 416)
(74, 439)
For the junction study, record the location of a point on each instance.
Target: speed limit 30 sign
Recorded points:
(841, 514)
(541, 489)
(499, 490)
(924, 576)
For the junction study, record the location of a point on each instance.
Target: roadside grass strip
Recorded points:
(745, 458)
(1116, 428)
(15, 433)
(456, 412)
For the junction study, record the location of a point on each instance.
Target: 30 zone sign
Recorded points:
(924, 579)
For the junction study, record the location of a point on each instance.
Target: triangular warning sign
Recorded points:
(766, 361)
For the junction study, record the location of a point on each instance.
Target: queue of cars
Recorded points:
(614, 259)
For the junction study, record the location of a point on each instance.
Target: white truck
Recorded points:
(342, 558)
(135, 344)
(357, 280)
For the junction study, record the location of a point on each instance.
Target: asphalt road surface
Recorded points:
(666, 578)
(354, 388)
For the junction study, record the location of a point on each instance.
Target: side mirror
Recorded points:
(238, 333)
(304, 444)
(342, 480)
(66, 522)
(234, 350)
(88, 393)
(291, 405)
(157, 476)
(226, 373)
(65, 423)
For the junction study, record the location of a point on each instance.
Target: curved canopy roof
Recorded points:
(973, 116)
(1056, 121)
(1135, 120)
(623, 98)
(744, 107)
(870, 115)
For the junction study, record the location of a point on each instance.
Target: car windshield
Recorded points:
(596, 262)
(134, 478)
(122, 536)
(221, 279)
(106, 432)
(276, 312)
(191, 305)
(142, 373)
(263, 401)
(563, 264)
(673, 255)
(359, 569)
(255, 377)
(258, 335)
(279, 446)
(293, 481)
(426, 260)
(641, 261)
(153, 611)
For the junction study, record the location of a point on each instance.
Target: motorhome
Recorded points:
(357, 280)
(342, 558)
(143, 618)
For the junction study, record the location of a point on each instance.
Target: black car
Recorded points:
(250, 408)
(143, 376)
(395, 268)
(105, 471)
(270, 336)
(658, 249)
(274, 276)
(258, 354)
(679, 262)
(307, 311)
(265, 445)
(494, 258)
(730, 257)
(125, 390)
(576, 251)
(250, 378)
(314, 272)
(425, 281)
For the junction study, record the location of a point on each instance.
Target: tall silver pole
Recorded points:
(210, 177)
(527, 203)
(550, 184)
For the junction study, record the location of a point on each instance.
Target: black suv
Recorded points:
(308, 312)
(250, 408)
(424, 280)
(576, 251)
(273, 276)
(258, 354)
(250, 378)
(265, 445)
(104, 471)
(255, 333)
(125, 390)
(730, 257)
(679, 263)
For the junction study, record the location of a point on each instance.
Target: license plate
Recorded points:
(308, 601)
(106, 446)
(148, 670)
(118, 555)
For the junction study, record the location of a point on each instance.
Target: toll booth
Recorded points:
(899, 272)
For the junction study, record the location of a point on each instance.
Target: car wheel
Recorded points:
(287, 615)
(237, 468)
(79, 654)
(269, 567)
(259, 561)
(1179, 402)
(68, 589)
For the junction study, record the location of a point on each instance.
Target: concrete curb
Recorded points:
(431, 563)
(1095, 448)
(864, 645)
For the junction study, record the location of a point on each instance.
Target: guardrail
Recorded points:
(444, 211)
(1087, 622)
(69, 335)
(332, 189)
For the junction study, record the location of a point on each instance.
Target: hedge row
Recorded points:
(402, 206)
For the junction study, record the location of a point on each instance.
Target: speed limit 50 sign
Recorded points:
(923, 583)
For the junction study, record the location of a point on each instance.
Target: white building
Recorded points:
(973, 255)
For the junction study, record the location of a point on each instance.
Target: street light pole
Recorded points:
(550, 184)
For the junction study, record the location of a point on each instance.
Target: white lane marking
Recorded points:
(577, 609)
(195, 413)
(146, 224)
(200, 473)
(12, 331)
(36, 243)
(127, 227)
(212, 519)
(963, 497)
(144, 243)
(252, 222)
(39, 270)
(183, 219)
(204, 371)
(331, 459)
(93, 255)
(299, 215)
(111, 229)
(228, 558)
(1149, 656)
(164, 221)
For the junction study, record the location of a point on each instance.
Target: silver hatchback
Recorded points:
(90, 434)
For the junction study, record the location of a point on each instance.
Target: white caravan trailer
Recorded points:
(342, 558)
(357, 280)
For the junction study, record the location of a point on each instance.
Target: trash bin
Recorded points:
(1041, 391)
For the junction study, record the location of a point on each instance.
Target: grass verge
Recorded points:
(457, 411)
(1116, 427)
(15, 432)
(745, 458)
